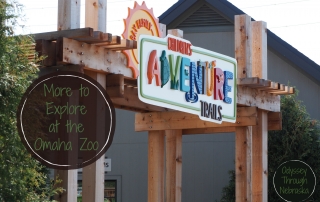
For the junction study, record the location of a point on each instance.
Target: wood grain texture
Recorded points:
(156, 166)
(180, 120)
(173, 165)
(68, 14)
(243, 45)
(259, 49)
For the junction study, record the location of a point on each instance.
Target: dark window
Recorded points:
(110, 190)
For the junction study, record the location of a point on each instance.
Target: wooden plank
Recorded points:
(156, 166)
(114, 40)
(93, 174)
(180, 120)
(46, 49)
(96, 14)
(94, 58)
(243, 140)
(68, 14)
(260, 158)
(260, 132)
(194, 131)
(125, 44)
(162, 30)
(287, 91)
(132, 101)
(72, 33)
(253, 82)
(261, 99)
(173, 165)
(47, 70)
(98, 37)
(259, 49)
(243, 45)
(243, 51)
(274, 121)
(115, 85)
(273, 86)
(176, 32)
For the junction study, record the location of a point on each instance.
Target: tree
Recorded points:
(298, 140)
(21, 177)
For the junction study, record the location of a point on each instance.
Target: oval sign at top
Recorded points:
(140, 20)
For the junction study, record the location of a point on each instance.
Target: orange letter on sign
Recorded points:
(153, 68)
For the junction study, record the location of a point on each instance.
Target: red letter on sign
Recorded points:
(219, 81)
(153, 68)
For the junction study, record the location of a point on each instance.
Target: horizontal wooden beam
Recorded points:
(114, 40)
(253, 97)
(98, 37)
(124, 45)
(253, 82)
(180, 120)
(130, 101)
(274, 123)
(94, 58)
(71, 33)
(208, 130)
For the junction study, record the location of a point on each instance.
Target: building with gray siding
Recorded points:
(206, 158)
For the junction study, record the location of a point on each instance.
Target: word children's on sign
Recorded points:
(174, 74)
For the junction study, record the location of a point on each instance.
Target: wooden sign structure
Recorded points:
(95, 53)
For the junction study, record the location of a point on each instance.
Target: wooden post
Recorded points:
(68, 14)
(68, 18)
(156, 166)
(173, 165)
(93, 175)
(96, 15)
(243, 135)
(260, 132)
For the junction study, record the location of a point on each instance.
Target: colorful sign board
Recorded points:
(177, 75)
(140, 20)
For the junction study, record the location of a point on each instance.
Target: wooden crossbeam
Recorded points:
(180, 120)
(98, 37)
(114, 40)
(261, 99)
(253, 82)
(287, 91)
(131, 102)
(124, 45)
(94, 58)
(274, 123)
(71, 33)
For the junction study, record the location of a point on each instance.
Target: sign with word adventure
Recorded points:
(177, 75)
(66, 120)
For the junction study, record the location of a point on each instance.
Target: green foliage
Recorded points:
(21, 177)
(298, 140)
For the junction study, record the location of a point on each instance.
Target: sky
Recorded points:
(295, 21)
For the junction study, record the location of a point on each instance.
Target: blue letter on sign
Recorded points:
(226, 87)
(184, 74)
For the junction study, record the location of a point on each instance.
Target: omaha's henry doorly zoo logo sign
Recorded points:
(177, 75)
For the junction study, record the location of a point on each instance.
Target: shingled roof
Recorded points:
(223, 13)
